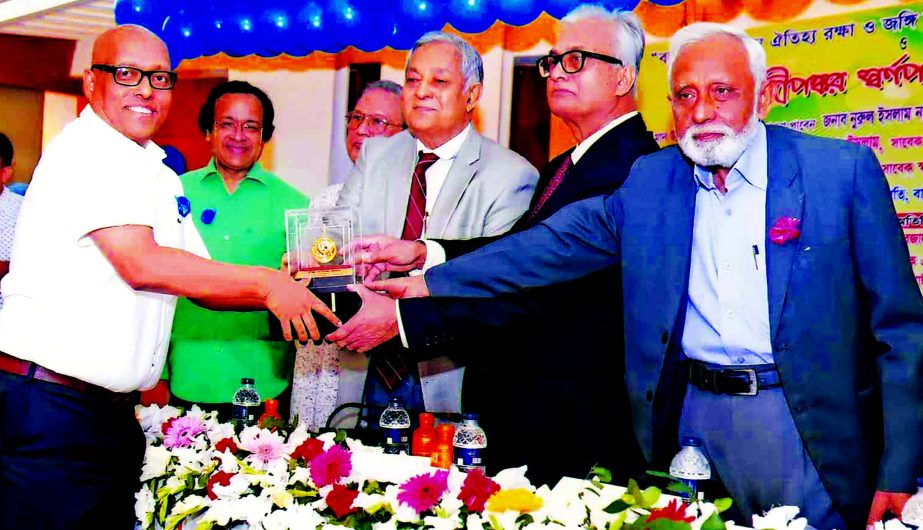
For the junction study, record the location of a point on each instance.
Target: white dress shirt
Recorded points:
(727, 315)
(67, 308)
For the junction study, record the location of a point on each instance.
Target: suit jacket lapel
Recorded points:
(463, 169)
(398, 187)
(784, 198)
(678, 221)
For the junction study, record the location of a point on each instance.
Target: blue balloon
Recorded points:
(151, 14)
(183, 37)
(238, 27)
(519, 12)
(275, 28)
(624, 5)
(559, 8)
(471, 16)
(365, 25)
(414, 18)
(310, 28)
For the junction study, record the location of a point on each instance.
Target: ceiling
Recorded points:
(63, 19)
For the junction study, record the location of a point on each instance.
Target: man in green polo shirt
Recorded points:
(239, 209)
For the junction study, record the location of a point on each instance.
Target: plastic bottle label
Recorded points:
(468, 456)
(243, 413)
(396, 436)
(693, 486)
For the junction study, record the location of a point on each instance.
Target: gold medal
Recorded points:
(324, 249)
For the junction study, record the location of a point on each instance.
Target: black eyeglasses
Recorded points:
(128, 76)
(571, 61)
(375, 124)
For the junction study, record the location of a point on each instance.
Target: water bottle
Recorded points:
(690, 466)
(395, 422)
(469, 443)
(246, 404)
(913, 510)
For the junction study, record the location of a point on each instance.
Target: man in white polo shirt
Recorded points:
(104, 246)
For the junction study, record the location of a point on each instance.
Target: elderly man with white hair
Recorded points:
(769, 304)
(438, 179)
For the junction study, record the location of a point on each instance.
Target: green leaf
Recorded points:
(666, 524)
(524, 519)
(204, 525)
(605, 476)
(723, 504)
(340, 437)
(713, 522)
(494, 523)
(617, 506)
(660, 474)
(619, 521)
(651, 495)
(162, 514)
(679, 487)
(302, 493)
(635, 491)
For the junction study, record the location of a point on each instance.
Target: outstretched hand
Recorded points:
(374, 324)
(379, 253)
(292, 303)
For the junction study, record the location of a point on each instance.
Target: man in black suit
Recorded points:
(546, 399)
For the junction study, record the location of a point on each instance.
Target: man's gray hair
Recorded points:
(700, 31)
(383, 84)
(629, 34)
(472, 67)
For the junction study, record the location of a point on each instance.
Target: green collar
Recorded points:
(256, 172)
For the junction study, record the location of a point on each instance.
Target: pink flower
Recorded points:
(331, 466)
(476, 489)
(266, 448)
(180, 431)
(784, 230)
(422, 492)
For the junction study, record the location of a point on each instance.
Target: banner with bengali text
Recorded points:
(857, 76)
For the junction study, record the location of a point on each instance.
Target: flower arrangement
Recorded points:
(199, 474)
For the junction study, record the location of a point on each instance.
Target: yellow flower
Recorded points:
(516, 499)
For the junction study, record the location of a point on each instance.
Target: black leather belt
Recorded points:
(16, 366)
(744, 381)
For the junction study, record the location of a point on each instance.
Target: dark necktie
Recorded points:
(389, 364)
(552, 185)
(416, 204)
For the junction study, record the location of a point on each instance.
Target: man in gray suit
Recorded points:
(438, 179)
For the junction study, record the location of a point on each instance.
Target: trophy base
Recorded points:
(327, 279)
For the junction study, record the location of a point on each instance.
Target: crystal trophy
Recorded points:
(318, 246)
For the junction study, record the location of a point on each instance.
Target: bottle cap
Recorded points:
(426, 419)
(395, 400)
(469, 416)
(272, 406)
(246, 380)
(691, 441)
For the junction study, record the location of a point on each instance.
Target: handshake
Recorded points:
(376, 321)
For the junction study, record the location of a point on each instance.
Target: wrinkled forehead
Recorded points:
(715, 58)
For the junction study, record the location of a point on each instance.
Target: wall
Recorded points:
(21, 120)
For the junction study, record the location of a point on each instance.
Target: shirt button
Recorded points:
(227, 237)
(727, 266)
(730, 313)
(728, 212)
(740, 360)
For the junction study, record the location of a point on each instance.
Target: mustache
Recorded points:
(709, 129)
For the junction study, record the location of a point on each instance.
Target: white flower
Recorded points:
(228, 462)
(514, 477)
(219, 431)
(402, 512)
(296, 517)
(370, 502)
(780, 518)
(390, 524)
(156, 458)
(298, 437)
(237, 486)
(451, 505)
(894, 524)
(144, 506)
(191, 460)
(188, 504)
(220, 512)
(152, 418)
(474, 522)
(506, 520)
(442, 523)
(302, 475)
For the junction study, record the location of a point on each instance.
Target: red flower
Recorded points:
(330, 466)
(340, 500)
(221, 478)
(308, 450)
(226, 444)
(166, 425)
(422, 492)
(476, 489)
(784, 229)
(675, 511)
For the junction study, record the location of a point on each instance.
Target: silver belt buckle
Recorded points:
(754, 382)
